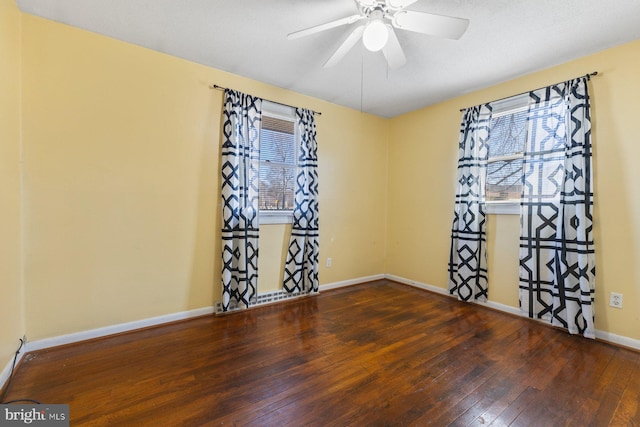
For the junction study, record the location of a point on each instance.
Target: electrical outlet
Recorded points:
(615, 300)
(329, 262)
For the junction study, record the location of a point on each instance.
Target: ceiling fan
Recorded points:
(377, 33)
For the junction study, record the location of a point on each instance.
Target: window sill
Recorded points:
(502, 208)
(276, 217)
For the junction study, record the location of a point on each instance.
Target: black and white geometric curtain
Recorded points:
(301, 267)
(240, 175)
(468, 257)
(557, 267)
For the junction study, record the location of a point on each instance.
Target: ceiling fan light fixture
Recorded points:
(375, 35)
(378, 32)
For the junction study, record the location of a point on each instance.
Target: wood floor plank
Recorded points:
(627, 411)
(613, 387)
(514, 410)
(380, 353)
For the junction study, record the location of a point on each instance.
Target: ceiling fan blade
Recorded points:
(393, 51)
(431, 24)
(345, 47)
(399, 4)
(338, 22)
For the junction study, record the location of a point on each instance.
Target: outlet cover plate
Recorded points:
(615, 300)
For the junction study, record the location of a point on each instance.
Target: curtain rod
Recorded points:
(215, 86)
(588, 76)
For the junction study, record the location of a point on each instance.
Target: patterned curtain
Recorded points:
(240, 175)
(557, 267)
(468, 258)
(301, 267)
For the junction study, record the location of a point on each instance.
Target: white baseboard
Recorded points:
(336, 285)
(618, 339)
(114, 329)
(601, 335)
(501, 307)
(415, 284)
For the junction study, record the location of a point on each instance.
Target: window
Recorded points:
(278, 163)
(508, 136)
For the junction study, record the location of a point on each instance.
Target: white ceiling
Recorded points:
(505, 39)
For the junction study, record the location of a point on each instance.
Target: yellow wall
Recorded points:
(11, 300)
(122, 191)
(422, 172)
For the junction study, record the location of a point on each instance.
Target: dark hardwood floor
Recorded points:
(377, 354)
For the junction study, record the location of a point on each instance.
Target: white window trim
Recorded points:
(278, 111)
(511, 105)
(515, 156)
(276, 217)
(503, 208)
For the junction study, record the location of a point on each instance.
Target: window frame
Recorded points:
(282, 112)
(504, 107)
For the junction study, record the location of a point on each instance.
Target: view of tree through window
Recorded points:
(506, 145)
(277, 163)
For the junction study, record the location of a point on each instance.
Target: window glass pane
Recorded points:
(508, 134)
(277, 163)
(277, 147)
(276, 186)
(506, 145)
(504, 180)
